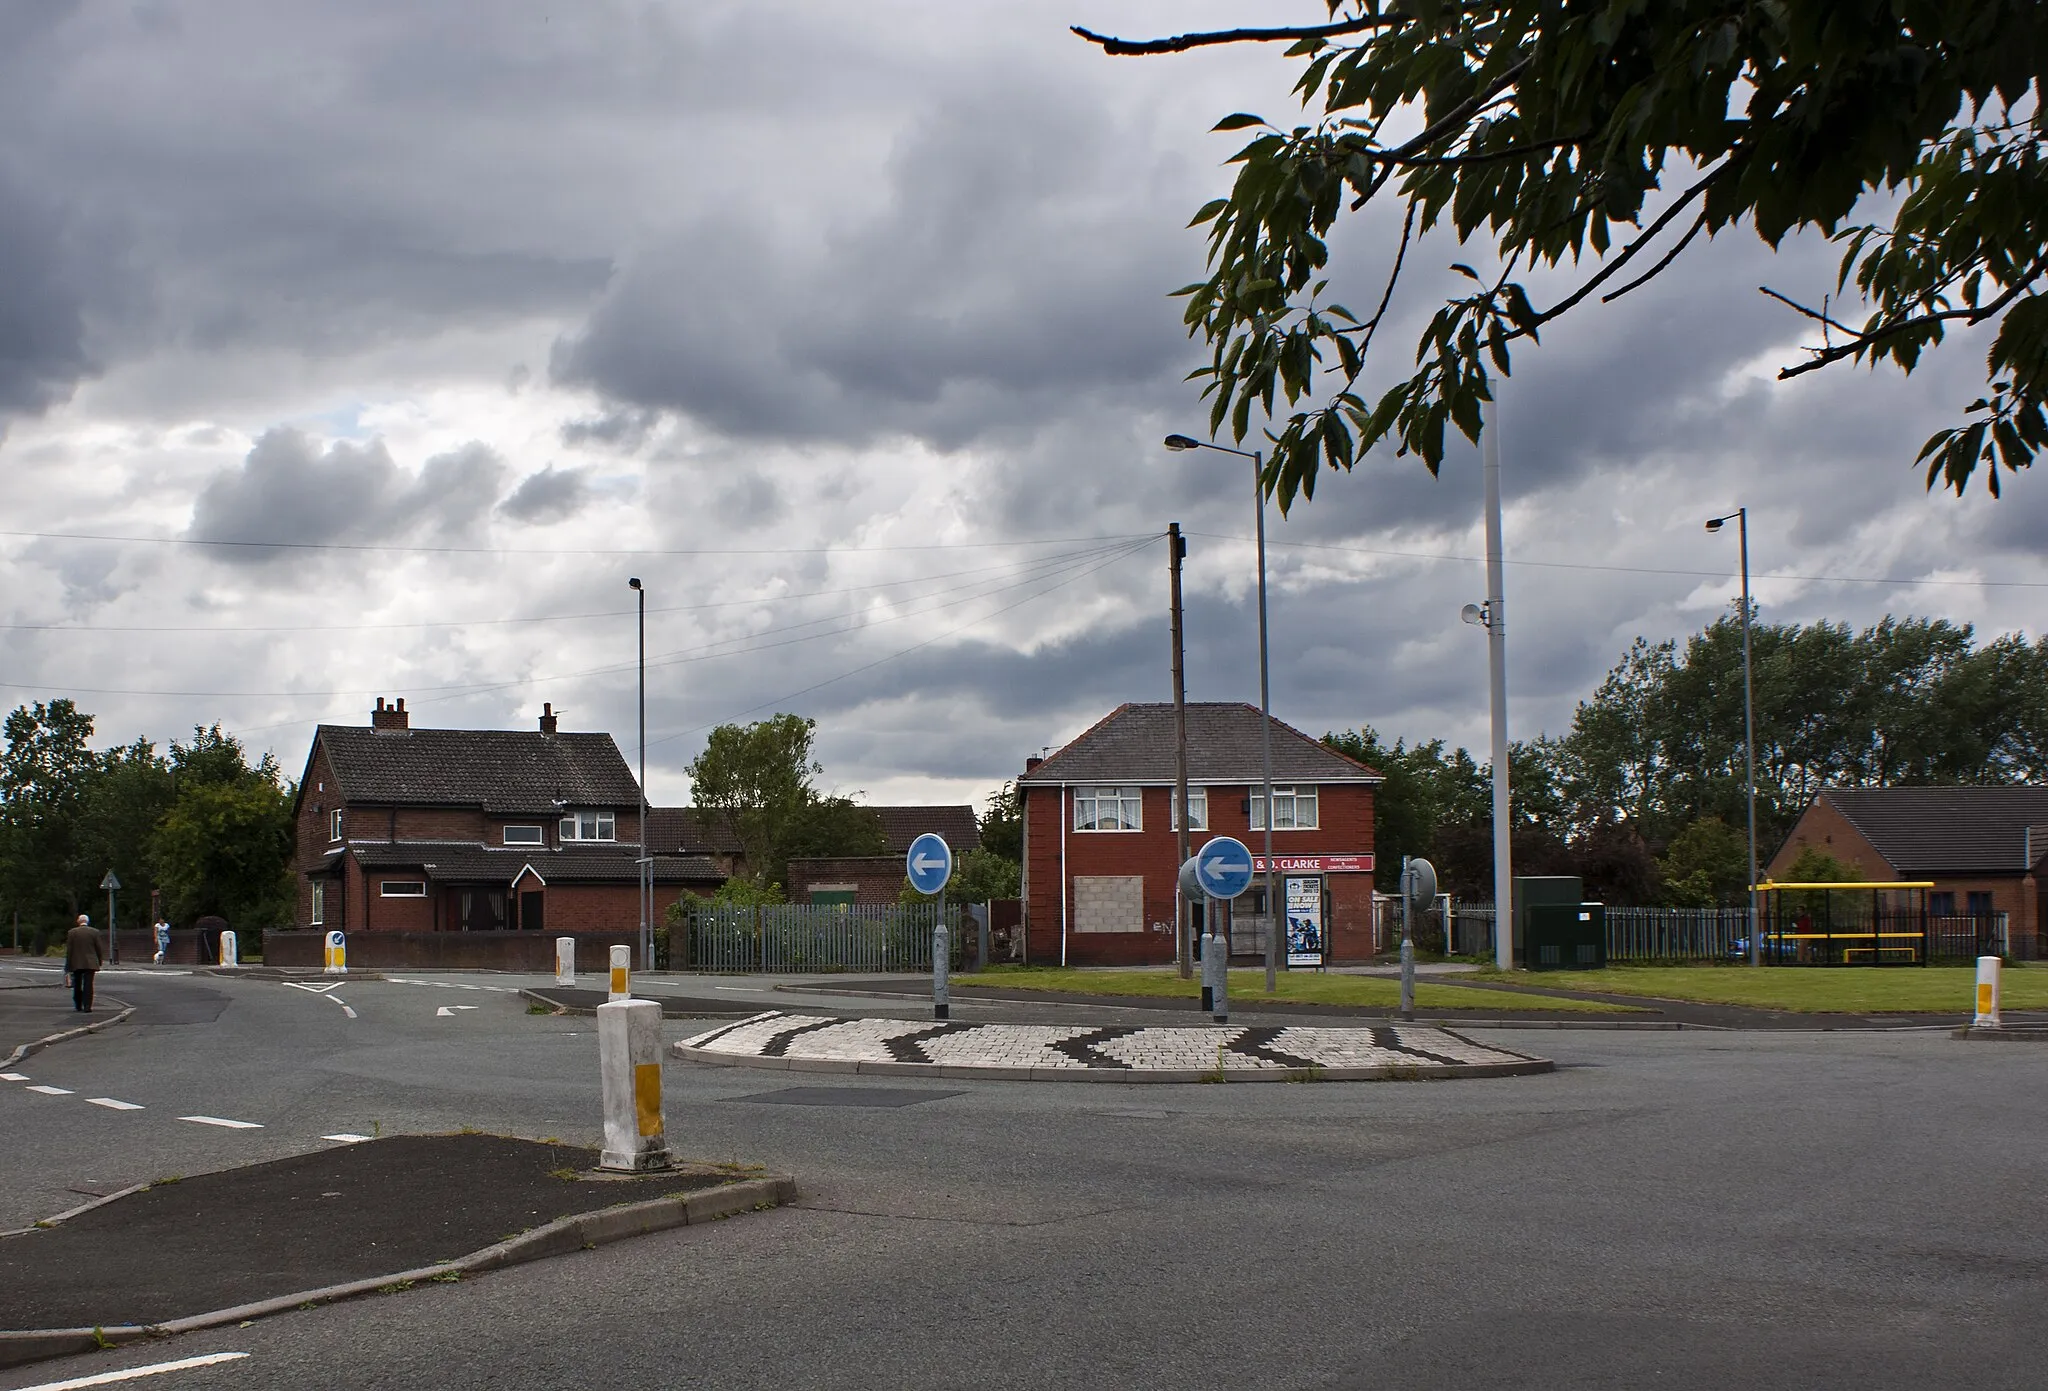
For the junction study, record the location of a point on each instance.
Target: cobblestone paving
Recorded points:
(829, 1042)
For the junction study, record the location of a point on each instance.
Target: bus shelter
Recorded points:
(1855, 923)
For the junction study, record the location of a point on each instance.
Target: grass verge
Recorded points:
(1803, 989)
(1300, 987)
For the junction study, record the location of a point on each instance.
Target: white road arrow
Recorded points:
(448, 1011)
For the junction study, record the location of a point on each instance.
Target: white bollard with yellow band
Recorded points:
(629, 1056)
(622, 973)
(230, 954)
(1988, 970)
(565, 961)
(337, 954)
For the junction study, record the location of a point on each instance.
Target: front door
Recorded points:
(530, 910)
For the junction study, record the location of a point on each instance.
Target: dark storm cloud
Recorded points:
(1002, 275)
(288, 491)
(42, 324)
(548, 496)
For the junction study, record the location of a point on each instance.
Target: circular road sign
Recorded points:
(929, 864)
(1223, 867)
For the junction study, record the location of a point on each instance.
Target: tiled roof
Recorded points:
(1948, 830)
(1135, 744)
(465, 862)
(956, 824)
(499, 770)
(688, 831)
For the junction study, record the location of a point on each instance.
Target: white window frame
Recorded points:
(604, 825)
(540, 835)
(1198, 809)
(402, 888)
(334, 825)
(1124, 799)
(319, 918)
(1290, 796)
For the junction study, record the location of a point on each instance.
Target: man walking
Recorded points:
(84, 954)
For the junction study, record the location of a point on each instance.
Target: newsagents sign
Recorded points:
(1315, 864)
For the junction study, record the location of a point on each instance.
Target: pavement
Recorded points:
(1085, 1053)
(188, 1246)
(1693, 1209)
(34, 1010)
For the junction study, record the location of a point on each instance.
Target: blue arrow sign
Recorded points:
(929, 863)
(1224, 867)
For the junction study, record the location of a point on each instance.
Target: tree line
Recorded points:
(1644, 796)
(198, 825)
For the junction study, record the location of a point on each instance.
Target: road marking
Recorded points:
(216, 1120)
(50, 1091)
(348, 1011)
(346, 1138)
(137, 1373)
(314, 989)
(113, 1105)
(448, 1011)
(13, 1076)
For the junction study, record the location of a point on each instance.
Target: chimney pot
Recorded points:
(1032, 762)
(388, 716)
(548, 718)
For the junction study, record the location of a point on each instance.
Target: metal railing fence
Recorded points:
(799, 937)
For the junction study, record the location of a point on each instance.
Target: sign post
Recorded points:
(928, 866)
(1217, 873)
(112, 884)
(1418, 893)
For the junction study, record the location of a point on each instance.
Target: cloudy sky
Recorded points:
(368, 350)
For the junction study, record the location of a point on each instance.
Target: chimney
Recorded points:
(1031, 763)
(390, 716)
(547, 718)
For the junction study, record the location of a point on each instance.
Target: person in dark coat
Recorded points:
(84, 954)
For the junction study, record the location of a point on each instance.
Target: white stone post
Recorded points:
(629, 1057)
(565, 961)
(942, 963)
(1219, 947)
(337, 954)
(1989, 969)
(230, 955)
(622, 972)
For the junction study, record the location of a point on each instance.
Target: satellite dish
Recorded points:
(1473, 614)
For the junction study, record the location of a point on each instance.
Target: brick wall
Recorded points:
(876, 879)
(1826, 829)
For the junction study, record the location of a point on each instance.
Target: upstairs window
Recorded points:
(589, 825)
(334, 825)
(1294, 808)
(1108, 809)
(523, 835)
(1198, 809)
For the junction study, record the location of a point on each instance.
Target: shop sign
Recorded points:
(1315, 864)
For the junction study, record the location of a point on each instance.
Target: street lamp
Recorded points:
(1274, 914)
(1741, 518)
(646, 861)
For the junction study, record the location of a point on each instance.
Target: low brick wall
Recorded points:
(189, 946)
(447, 951)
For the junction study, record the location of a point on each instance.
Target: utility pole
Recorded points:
(1176, 551)
(1497, 677)
(646, 857)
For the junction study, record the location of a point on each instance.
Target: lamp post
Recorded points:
(646, 860)
(1274, 913)
(1493, 616)
(1741, 517)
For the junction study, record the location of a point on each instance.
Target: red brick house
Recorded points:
(405, 830)
(878, 879)
(1985, 848)
(1101, 848)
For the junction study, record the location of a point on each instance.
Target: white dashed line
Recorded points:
(347, 1011)
(50, 1091)
(347, 1139)
(137, 1373)
(13, 1076)
(113, 1105)
(216, 1120)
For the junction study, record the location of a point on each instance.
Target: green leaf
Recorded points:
(1238, 121)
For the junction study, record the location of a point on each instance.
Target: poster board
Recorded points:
(1305, 936)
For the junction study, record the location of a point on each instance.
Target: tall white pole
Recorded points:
(1497, 679)
(646, 845)
(1275, 918)
(1749, 734)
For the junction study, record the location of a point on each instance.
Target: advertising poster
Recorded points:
(1304, 922)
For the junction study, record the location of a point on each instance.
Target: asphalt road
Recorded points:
(1679, 1209)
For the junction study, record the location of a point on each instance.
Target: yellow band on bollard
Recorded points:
(618, 980)
(1984, 997)
(647, 1097)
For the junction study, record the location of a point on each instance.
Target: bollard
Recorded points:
(230, 955)
(622, 964)
(337, 955)
(1407, 978)
(629, 1058)
(1219, 1001)
(565, 961)
(942, 946)
(1988, 970)
(1208, 974)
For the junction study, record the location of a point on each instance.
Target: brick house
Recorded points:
(1985, 848)
(1101, 845)
(407, 830)
(878, 879)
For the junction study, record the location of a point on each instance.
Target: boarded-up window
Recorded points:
(1109, 903)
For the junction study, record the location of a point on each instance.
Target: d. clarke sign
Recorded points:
(1315, 864)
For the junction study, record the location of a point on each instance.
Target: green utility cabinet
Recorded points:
(1567, 936)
